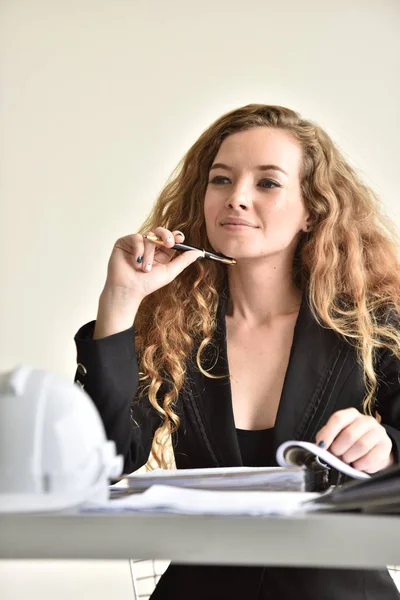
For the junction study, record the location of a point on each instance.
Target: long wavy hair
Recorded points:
(347, 265)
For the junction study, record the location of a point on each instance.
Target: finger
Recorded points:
(169, 238)
(352, 433)
(376, 459)
(362, 446)
(165, 235)
(338, 421)
(179, 237)
(132, 246)
(148, 253)
(164, 254)
(181, 262)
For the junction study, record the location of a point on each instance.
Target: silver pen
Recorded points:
(184, 248)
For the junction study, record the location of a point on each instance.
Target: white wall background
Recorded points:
(101, 98)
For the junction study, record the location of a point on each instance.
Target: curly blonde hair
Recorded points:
(347, 264)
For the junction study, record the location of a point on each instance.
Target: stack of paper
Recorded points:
(228, 479)
(168, 499)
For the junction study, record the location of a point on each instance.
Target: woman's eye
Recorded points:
(220, 179)
(264, 183)
(269, 183)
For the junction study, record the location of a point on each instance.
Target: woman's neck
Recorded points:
(260, 292)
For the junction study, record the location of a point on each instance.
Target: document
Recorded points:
(292, 488)
(228, 479)
(304, 467)
(168, 499)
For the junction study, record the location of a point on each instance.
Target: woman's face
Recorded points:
(253, 204)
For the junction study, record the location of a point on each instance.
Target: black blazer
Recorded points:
(323, 376)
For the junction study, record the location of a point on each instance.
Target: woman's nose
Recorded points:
(240, 198)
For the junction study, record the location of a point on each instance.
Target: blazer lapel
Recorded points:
(214, 400)
(317, 359)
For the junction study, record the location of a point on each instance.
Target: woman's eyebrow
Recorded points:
(259, 168)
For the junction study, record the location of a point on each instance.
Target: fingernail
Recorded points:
(321, 444)
(139, 259)
(179, 233)
(170, 238)
(148, 266)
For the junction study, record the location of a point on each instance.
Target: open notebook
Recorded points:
(303, 467)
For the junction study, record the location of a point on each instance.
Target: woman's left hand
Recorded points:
(358, 440)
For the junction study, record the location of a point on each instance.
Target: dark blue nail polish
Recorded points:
(139, 259)
(321, 444)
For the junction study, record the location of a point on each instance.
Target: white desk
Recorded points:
(312, 540)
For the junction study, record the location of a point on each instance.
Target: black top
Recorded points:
(257, 447)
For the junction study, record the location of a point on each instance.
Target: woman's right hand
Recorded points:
(143, 267)
(137, 268)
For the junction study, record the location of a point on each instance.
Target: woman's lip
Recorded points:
(238, 226)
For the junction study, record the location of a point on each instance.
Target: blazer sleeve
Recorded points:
(388, 398)
(108, 371)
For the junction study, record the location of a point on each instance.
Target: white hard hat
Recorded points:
(53, 449)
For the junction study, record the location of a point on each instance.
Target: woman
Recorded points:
(297, 340)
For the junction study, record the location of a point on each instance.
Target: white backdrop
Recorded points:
(100, 99)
